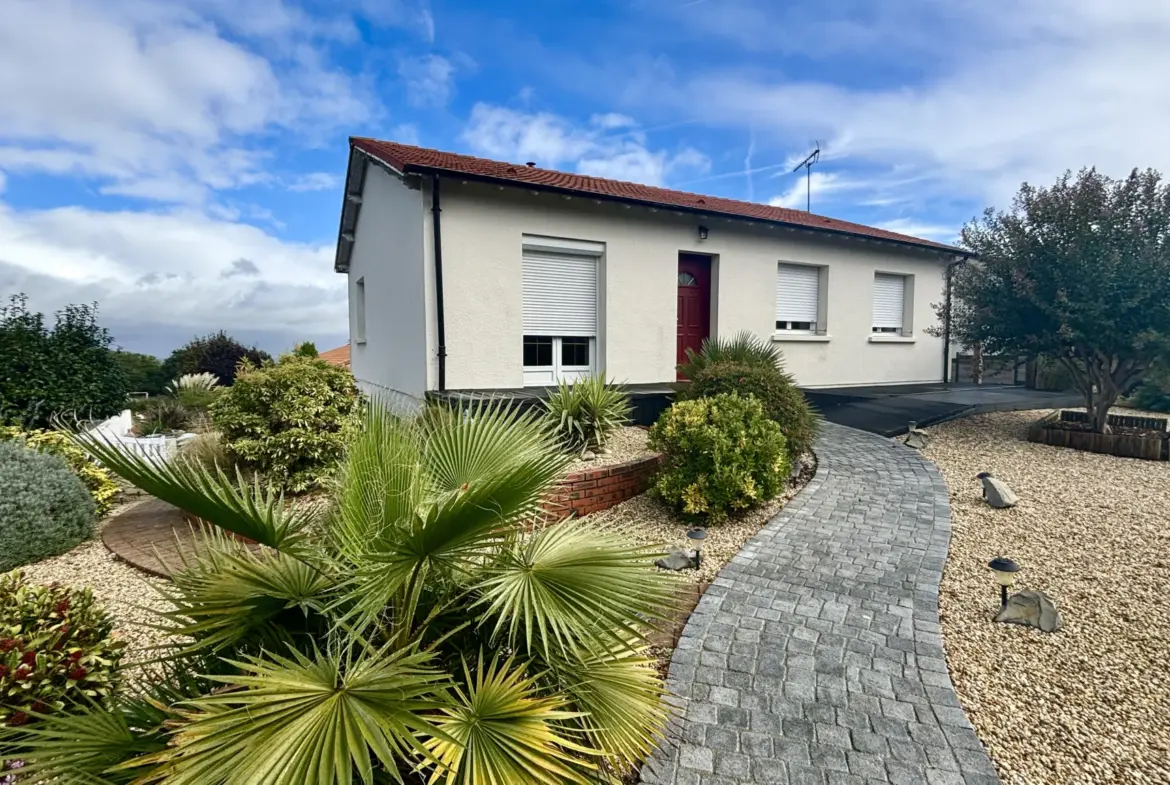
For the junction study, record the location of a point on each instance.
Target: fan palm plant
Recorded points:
(744, 347)
(423, 627)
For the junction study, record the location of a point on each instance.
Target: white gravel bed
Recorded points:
(649, 521)
(625, 444)
(1091, 703)
(123, 590)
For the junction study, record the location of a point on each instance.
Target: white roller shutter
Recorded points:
(560, 294)
(797, 293)
(889, 300)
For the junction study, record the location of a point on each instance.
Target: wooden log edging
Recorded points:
(1153, 447)
(593, 490)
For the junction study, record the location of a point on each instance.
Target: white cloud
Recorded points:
(612, 120)
(915, 228)
(314, 181)
(152, 100)
(179, 271)
(2, 182)
(406, 133)
(429, 79)
(553, 141)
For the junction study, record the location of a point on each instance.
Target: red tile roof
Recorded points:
(409, 159)
(338, 356)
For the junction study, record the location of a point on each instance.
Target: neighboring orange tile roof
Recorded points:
(338, 356)
(409, 159)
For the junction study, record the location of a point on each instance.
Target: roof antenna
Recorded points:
(807, 164)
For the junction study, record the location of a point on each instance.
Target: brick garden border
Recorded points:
(592, 490)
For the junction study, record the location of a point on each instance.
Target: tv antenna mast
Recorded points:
(807, 165)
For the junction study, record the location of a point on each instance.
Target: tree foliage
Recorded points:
(66, 371)
(143, 372)
(217, 353)
(1078, 272)
(418, 624)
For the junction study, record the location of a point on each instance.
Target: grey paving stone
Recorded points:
(816, 655)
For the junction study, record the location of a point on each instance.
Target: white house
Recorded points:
(467, 274)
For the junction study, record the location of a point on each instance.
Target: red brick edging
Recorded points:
(592, 490)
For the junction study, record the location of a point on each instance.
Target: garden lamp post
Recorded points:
(695, 537)
(1005, 575)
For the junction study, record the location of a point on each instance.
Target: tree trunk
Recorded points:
(977, 363)
(1099, 411)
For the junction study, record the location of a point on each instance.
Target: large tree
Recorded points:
(1078, 272)
(217, 353)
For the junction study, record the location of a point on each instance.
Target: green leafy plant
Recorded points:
(143, 372)
(206, 449)
(745, 348)
(203, 382)
(783, 402)
(96, 478)
(57, 650)
(162, 415)
(1153, 394)
(305, 349)
(719, 455)
(585, 413)
(217, 353)
(357, 644)
(289, 421)
(44, 508)
(67, 371)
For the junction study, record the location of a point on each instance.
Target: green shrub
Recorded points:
(783, 402)
(143, 372)
(56, 649)
(291, 421)
(306, 349)
(163, 415)
(719, 455)
(207, 450)
(217, 353)
(744, 347)
(1052, 375)
(1153, 394)
(97, 479)
(44, 508)
(586, 413)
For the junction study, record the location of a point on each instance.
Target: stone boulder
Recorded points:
(996, 492)
(916, 437)
(680, 559)
(1032, 609)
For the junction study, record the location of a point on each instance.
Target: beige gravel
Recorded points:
(122, 589)
(1091, 703)
(625, 444)
(648, 521)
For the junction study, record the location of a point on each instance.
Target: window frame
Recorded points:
(359, 311)
(798, 328)
(905, 328)
(544, 375)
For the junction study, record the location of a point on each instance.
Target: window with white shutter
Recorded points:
(798, 295)
(889, 303)
(560, 314)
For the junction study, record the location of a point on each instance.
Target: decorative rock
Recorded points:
(680, 559)
(996, 491)
(1032, 609)
(588, 455)
(915, 437)
(605, 451)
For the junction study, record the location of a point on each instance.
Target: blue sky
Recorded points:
(180, 162)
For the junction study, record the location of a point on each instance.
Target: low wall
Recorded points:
(593, 490)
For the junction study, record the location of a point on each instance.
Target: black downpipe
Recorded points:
(440, 316)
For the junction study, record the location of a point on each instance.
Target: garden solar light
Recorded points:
(1005, 575)
(695, 537)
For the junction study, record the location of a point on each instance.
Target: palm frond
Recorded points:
(225, 595)
(570, 583)
(320, 719)
(504, 731)
(239, 507)
(743, 347)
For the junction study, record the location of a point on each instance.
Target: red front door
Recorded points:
(694, 303)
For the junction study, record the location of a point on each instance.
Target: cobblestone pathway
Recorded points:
(816, 656)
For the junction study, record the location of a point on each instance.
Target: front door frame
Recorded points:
(702, 267)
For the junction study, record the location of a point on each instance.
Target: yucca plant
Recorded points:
(745, 347)
(585, 413)
(422, 627)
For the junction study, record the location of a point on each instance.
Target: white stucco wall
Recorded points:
(482, 239)
(388, 254)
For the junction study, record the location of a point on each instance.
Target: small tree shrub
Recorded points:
(306, 349)
(586, 413)
(1153, 394)
(56, 649)
(290, 421)
(44, 508)
(217, 353)
(98, 480)
(744, 347)
(163, 415)
(720, 454)
(783, 402)
(143, 372)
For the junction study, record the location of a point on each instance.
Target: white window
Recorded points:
(359, 311)
(560, 313)
(798, 296)
(889, 303)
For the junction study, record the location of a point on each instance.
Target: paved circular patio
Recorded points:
(152, 536)
(816, 656)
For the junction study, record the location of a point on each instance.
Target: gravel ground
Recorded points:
(650, 522)
(626, 444)
(1091, 703)
(124, 590)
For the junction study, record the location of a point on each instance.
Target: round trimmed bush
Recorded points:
(44, 508)
(783, 402)
(719, 455)
(96, 478)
